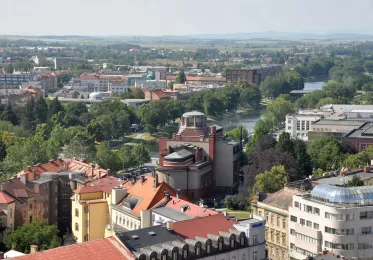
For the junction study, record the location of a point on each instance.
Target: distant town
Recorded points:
(204, 149)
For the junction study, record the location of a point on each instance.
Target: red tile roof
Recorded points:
(5, 198)
(192, 210)
(101, 249)
(87, 189)
(88, 76)
(161, 94)
(203, 226)
(60, 165)
(21, 193)
(106, 184)
(149, 197)
(191, 78)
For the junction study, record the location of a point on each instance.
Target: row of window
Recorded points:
(365, 245)
(339, 217)
(300, 250)
(366, 215)
(307, 208)
(283, 253)
(349, 246)
(304, 237)
(305, 125)
(304, 222)
(279, 221)
(278, 234)
(344, 232)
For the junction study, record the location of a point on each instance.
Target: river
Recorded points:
(248, 120)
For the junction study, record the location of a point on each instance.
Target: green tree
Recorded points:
(355, 182)
(9, 115)
(41, 111)
(238, 133)
(302, 158)
(81, 146)
(9, 69)
(356, 160)
(212, 105)
(285, 144)
(106, 157)
(28, 119)
(95, 130)
(181, 78)
(170, 85)
(368, 66)
(326, 153)
(126, 157)
(277, 111)
(250, 97)
(271, 181)
(174, 109)
(38, 232)
(141, 154)
(54, 107)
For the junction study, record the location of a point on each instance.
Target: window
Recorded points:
(316, 226)
(65, 184)
(303, 125)
(308, 223)
(174, 255)
(232, 242)
(76, 213)
(284, 223)
(278, 237)
(289, 127)
(283, 238)
(350, 217)
(308, 209)
(185, 253)
(302, 222)
(296, 204)
(307, 125)
(164, 257)
(220, 244)
(316, 211)
(64, 207)
(277, 252)
(363, 147)
(208, 248)
(65, 195)
(85, 209)
(255, 239)
(65, 219)
(255, 255)
(198, 250)
(267, 217)
(76, 227)
(298, 125)
(366, 230)
(243, 257)
(272, 219)
(242, 240)
(293, 219)
(283, 255)
(365, 245)
(278, 221)
(272, 235)
(11, 213)
(289, 121)
(272, 251)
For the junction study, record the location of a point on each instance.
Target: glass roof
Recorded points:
(362, 195)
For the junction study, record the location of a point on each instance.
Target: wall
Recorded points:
(224, 160)
(125, 220)
(97, 220)
(9, 209)
(80, 220)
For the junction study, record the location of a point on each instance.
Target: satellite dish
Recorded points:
(107, 226)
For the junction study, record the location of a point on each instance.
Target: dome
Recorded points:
(95, 95)
(194, 114)
(362, 195)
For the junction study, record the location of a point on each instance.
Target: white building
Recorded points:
(114, 88)
(152, 84)
(336, 219)
(298, 125)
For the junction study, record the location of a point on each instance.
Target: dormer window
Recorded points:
(220, 245)
(164, 257)
(185, 254)
(242, 241)
(198, 250)
(208, 248)
(233, 242)
(174, 255)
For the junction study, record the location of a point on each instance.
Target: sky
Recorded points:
(183, 17)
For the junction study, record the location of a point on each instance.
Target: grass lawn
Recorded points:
(238, 213)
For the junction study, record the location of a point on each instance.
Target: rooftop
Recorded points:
(365, 132)
(173, 214)
(144, 237)
(194, 114)
(181, 154)
(106, 184)
(101, 249)
(354, 196)
(192, 210)
(203, 226)
(338, 122)
(283, 198)
(342, 180)
(5, 198)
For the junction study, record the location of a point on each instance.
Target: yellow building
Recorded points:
(91, 209)
(275, 209)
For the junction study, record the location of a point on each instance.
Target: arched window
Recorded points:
(220, 244)
(174, 255)
(76, 213)
(242, 240)
(233, 241)
(208, 248)
(76, 227)
(164, 257)
(197, 250)
(185, 253)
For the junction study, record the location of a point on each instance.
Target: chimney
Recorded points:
(1, 255)
(178, 193)
(155, 183)
(367, 169)
(169, 149)
(170, 225)
(142, 178)
(24, 178)
(167, 196)
(33, 249)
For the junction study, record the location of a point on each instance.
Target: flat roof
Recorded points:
(172, 213)
(341, 180)
(338, 122)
